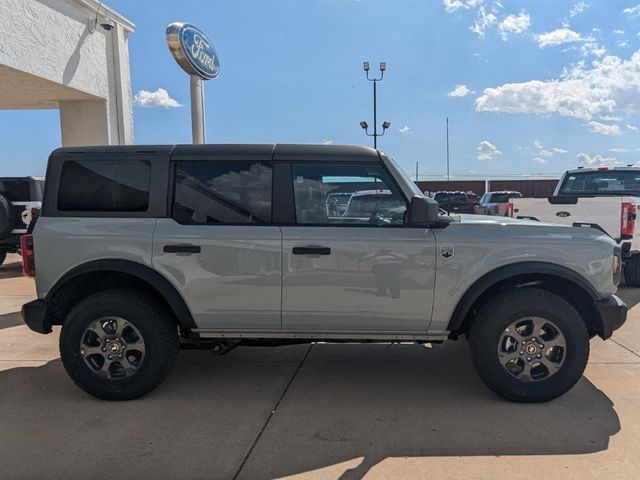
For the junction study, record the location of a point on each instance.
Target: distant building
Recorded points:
(55, 55)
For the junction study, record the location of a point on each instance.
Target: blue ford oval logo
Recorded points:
(193, 50)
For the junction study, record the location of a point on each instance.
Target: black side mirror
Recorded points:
(423, 211)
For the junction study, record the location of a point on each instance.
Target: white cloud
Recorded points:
(632, 10)
(487, 150)
(404, 129)
(560, 36)
(514, 24)
(619, 150)
(604, 129)
(541, 161)
(577, 9)
(483, 21)
(593, 48)
(159, 98)
(596, 159)
(559, 151)
(543, 154)
(623, 44)
(605, 87)
(610, 118)
(538, 144)
(460, 91)
(453, 5)
(618, 32)
(327, 141)
(633, 128)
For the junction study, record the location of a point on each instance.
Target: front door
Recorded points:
(351, 264)
(219, 248)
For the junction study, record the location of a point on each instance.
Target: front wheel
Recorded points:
(529, 345)
(118, 344)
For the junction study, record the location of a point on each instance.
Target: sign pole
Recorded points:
(197, 110)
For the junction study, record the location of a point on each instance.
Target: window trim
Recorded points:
(224, 160)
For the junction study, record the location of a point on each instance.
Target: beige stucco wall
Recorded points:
(51, 56)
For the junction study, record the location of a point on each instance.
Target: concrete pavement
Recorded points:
(320, 412)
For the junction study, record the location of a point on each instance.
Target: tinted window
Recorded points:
(321, 189)
(601, 182)
(104, 186)
(15, 190)
(214, 192)
(504, 197)
(450, 197)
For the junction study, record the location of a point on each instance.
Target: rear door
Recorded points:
(220, 247)
(362, 271)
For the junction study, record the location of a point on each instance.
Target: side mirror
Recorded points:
(423, 211)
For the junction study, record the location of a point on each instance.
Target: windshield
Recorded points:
(601, 183)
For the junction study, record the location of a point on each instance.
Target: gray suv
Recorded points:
(143, 250)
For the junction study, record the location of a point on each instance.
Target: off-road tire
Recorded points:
(498, 314)
(8, 217)
(156, 326)
(632, 271)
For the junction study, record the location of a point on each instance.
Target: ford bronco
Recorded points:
(142, 250)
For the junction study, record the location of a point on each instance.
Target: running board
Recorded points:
(326, 336)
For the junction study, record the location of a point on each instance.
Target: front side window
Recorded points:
(104, 186)
(210, 192)
(346, 193)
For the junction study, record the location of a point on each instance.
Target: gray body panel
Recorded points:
(64, 243)
(376, 279)
(234, 282)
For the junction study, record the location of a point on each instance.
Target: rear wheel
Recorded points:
(8, 217)
(632, 271)
(529, 345)
(118, 344)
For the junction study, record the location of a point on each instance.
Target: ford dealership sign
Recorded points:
(192, 50)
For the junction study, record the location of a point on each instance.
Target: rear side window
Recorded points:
(220, 192)
(104, 186)
(15, 190)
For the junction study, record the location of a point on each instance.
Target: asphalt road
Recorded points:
(319, 412)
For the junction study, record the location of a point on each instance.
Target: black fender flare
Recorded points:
(496, 276)
(144, 273)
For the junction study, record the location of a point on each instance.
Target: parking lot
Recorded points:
(325, 411)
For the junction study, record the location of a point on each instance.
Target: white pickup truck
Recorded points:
(602, 196)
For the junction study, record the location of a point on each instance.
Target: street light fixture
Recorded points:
(363, 124)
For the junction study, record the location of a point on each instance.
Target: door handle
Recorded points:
(311, 250)
(181, 248)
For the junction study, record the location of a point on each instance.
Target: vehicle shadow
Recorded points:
(9, 320)
(346, 402)
(374, 404)
(11, 270)
(629, 295)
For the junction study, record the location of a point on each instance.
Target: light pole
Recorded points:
(385, 124)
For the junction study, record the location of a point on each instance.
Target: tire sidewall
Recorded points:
(552, 308)
(140, 314)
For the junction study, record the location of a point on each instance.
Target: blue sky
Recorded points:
(530, 87)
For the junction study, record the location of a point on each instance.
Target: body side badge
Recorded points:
(447, 252)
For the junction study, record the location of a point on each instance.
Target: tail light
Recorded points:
(509, 210)
(628, 220)
(28, 258)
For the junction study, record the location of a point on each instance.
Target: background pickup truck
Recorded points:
(605, 196)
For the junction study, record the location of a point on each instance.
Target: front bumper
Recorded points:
(35, 316)
(613, 314)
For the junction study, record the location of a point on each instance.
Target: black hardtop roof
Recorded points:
(282, 151)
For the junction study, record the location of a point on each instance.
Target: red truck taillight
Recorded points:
(28, 259)
(628, 220)
(509, 210)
